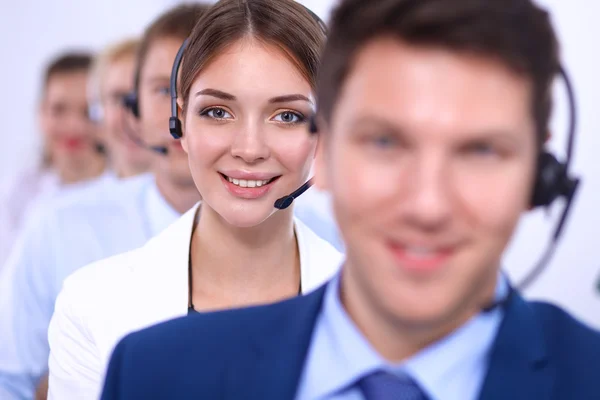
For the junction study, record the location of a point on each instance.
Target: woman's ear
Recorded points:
(181, 115)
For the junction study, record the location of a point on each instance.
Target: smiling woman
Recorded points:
(248, 141)
(247, 84)
(247, 90)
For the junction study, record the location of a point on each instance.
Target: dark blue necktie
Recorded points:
(382, 385)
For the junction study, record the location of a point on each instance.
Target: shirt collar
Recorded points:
(160, 214)
(347, 356)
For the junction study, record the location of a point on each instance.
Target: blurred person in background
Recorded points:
(70, 145)
(111, 81)
(77, 228)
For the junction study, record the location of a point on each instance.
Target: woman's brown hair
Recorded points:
(282, 23)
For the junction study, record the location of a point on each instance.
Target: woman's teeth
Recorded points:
(247, 183)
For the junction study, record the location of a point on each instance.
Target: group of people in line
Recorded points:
(168, 250)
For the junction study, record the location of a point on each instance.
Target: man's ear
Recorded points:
(321, 159)
(547, 137)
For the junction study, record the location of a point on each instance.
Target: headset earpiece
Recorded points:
(550, 180)
(174, 121)
(553, 179)
(312, 125)
(132, 104)
(175, 128)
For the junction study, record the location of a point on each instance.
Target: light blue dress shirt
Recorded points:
(450, 369)
(71, 232)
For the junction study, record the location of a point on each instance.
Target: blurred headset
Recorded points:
(175, 123)
(132, 103)
(553, 180)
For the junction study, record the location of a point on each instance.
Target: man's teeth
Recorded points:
(247, 183)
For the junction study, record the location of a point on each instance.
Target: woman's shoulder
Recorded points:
(310, 241)
(134, 278)
(105, 275)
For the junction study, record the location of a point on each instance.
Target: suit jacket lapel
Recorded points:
(274, 354)
(519, 367)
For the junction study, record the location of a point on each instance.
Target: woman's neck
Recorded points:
(234, 267)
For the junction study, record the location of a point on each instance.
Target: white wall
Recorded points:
(33, 32)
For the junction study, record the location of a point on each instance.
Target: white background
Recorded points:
(32, 31)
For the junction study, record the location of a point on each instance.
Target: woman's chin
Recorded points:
(247, 217)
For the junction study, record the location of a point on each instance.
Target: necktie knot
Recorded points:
(382, 385)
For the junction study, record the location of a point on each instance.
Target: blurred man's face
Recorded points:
(429, 157)
(69, 134)
(127, 157)
(155, 110)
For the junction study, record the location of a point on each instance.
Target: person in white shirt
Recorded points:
(70, 148)
(246, 92)
(78, 228)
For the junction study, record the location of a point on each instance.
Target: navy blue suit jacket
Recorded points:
(540, 353)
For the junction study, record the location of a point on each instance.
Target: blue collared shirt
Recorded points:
(71, 232)
(451, 369)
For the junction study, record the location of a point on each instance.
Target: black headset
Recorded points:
(131, 100)
(554, 180)
(175, 123)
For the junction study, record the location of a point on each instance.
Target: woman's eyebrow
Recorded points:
(289, 97)
(216, 93)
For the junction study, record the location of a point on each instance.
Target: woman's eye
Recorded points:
(289, 117)
(216, 113)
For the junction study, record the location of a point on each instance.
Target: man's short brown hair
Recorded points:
(67, 63)
(177, 23)
(517, 33)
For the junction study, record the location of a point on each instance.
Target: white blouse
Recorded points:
(103, 302)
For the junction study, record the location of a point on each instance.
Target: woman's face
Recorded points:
(68, 132)
(245, 131)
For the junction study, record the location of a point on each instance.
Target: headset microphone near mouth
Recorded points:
(130, 102)
(177, 132)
